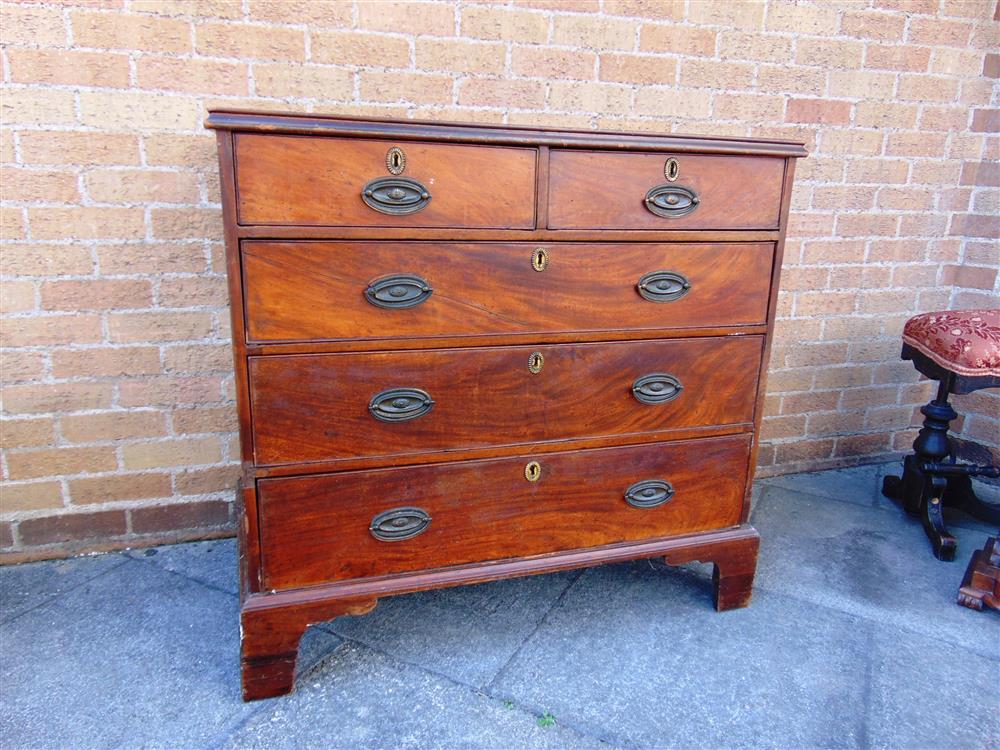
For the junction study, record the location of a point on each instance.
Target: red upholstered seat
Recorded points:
(966, 342)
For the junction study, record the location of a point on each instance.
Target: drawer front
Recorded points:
(359, 524)
(336, 406)
(601, 190)
(326, 181)
(298, 291)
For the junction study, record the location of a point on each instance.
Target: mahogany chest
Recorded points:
(465, 353)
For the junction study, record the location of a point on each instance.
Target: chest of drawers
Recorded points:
(467, 353)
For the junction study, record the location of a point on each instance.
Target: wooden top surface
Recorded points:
(510, 135)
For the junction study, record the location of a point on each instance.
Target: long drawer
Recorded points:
(604, 190)
(358, 524)
(335, 406)
(297, 291)
(346, 182)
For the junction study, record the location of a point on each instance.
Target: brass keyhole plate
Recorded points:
(671, 169)
(536, 362)
(540, 259)
(395, 160)
(533, 471)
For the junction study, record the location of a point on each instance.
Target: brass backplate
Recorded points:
(671, 169)
(533, 471)
(539, 258)
(536, 362)
(395, 160)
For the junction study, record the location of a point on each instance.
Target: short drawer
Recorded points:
(296, 291)
(603, 190)
(318, 407)
(348, 182)
(361, 524)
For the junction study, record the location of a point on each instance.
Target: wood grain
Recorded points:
(315, 529)
(315, 407)
(298, 291)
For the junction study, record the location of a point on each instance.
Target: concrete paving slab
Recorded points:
(465, 633)
(360, 698)
(24, 587)
(927, 693)
(861, 485)
(868, 562)
(212, 562)
(637, 656)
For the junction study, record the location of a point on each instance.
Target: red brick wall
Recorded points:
(118, 406)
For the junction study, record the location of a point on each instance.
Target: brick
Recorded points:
(51, 329)
(673, 102)
(145, 111)
(812, 20)
(927, 88)
(973, 277)
(987, 201)
(791, 79)
(745, 107)
(803, 450)
(180, 151)
(903, 58)
(56, 462)
(507, 25)
(33, 185)
(18, 497)
(355, 48)
(885, 115)
(244, 41)
(17, 296)
(588, 97)
(859, 278)
(86, 222)
(59, 147)
(831, 252)
(594, 32)
(204, 481)
(113, 425)
(198, 358)
(37, 106)
(975, 225)
(828, 53)
(20, 367)
(573, 6)
(152, 258)
(56, 397)
(62, 67)
(159, 326)
(26, 433)
(185, 223)
(232, 9)
(130, 32)
(844, 197)
(170, 391)
(72, 527)
(498, 93)
(991, 65)
(866, 225)
(806, 403)
(886, 27)
(915, 144)
(412, 87)
(714, 74)
(12, 226)
(303, 81)
(141, 186)
(778, 428)
(110, 489)
(748, 14)
(981, 173)
(192, 76)
(669, 9)
(906, 199)
(824, 303)
(986, 120)
(100, 294)
(937, 31)
(860, 84)
(677, 40)
(163, 453)
(106, 362)
(761, 47)
(295, 12)
(424, 18)
(188, 421)
(853, 142)
(30, 26)
(977, 92)
(957, 62)
(548, 62)
(469, 57)
(925, 7)
(935, 171)
(820, 111)
(180, 516)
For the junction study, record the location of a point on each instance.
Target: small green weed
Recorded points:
(546, 720)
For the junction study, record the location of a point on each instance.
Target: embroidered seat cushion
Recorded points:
(966, 342)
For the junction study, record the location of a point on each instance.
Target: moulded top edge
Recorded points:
(512, 135)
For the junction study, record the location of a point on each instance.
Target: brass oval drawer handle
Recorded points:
(663, 286)
(397, 196)
(399, 524)
(400, 404)
(671, 201)
(649, 493)
(656, 388)
(398, 292)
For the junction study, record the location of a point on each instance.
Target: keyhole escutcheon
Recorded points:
(533, 471)
(535, 362)
(540, 259)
